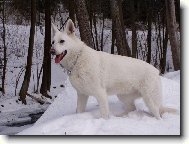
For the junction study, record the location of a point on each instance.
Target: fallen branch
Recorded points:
(18, 78)
(36, 99)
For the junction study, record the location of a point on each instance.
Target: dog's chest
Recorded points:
(84, 82)
(79, 82)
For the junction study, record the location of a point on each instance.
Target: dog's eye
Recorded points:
(61, 41)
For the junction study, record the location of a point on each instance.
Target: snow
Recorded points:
(13, 130)
(61, 118)
(13, 113)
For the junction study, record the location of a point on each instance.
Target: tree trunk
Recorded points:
(83, 22)
(90, 12)
(113, 39)
(102, 32)
(171, 25)
(4, 51)
(25, 84)
(149, 36)
(163, 60)
(117, 19)
(134, 34)
(96, 33)
(165, 41)
(46, 79)
(71, 7)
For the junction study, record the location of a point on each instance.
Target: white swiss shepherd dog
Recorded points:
(99, 74)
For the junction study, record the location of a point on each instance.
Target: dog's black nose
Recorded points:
(52, 51)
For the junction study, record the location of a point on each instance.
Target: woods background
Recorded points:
(144, 29)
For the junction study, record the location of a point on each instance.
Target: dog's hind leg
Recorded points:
(153, 107)
(81, 102)
(152, 96)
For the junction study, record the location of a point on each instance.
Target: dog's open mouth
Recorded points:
(59, 57)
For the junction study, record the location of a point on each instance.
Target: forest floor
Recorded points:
(15, 116)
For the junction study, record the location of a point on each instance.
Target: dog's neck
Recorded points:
(70, 63)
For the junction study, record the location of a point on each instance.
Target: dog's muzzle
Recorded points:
(52, 51)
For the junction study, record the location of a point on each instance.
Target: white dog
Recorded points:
(101, 74)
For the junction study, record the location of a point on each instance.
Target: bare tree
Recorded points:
(96, 32)
(163, 59)
(164, 42)
(71, 7)
(4, 50)
(46, 79)
(113, 39)
(149, 36)
(117, 21)
(102, 32)
(83, 22)
(25, 84)
(133, 27)
(172, 31)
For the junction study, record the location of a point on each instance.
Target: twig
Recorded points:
(36, 99)
(64, 23)
(18, 78)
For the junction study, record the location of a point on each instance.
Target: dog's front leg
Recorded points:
(81, 102)
(104, 107)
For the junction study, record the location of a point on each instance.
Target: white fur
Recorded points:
(101, 74)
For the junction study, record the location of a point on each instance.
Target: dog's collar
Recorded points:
(69, 71)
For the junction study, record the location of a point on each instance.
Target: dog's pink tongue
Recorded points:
(58, 59)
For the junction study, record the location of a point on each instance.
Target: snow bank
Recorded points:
(61, 119)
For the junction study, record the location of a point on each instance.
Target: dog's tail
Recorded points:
(169, 110)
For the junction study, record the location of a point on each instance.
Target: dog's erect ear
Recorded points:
(54, 28)
(70, 28)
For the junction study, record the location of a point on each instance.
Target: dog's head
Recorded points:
(62, 42)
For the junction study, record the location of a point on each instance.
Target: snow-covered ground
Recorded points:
(15, 116)
(61, 119)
